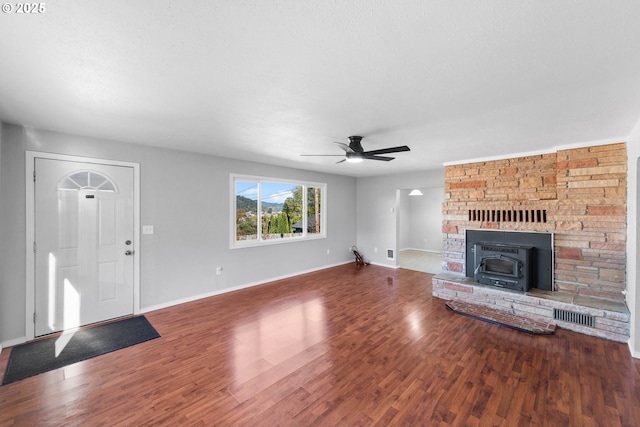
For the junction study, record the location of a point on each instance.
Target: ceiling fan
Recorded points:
(355, 153)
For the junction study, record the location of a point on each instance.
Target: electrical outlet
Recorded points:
(218, 271)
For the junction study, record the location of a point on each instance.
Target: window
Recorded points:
(87, 180)
(268, 211)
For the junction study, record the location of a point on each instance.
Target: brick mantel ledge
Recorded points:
(612, 318)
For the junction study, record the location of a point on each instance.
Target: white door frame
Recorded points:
(30, 236)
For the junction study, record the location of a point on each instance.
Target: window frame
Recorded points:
(237, 244)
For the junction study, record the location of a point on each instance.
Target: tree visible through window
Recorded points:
(269, 211)
(314, 196)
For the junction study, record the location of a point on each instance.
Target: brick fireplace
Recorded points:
(578, 195)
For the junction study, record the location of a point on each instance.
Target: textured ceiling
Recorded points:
(268, 81)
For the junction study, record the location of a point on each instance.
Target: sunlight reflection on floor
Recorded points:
(277, 336)
(71, 316)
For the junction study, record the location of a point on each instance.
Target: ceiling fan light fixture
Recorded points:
(415, 192)
(354, 153)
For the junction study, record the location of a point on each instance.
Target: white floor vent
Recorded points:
(573, 317)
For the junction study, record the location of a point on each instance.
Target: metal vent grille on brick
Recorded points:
(508, 215)
(573, 317)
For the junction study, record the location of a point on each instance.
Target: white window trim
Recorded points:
(233, 244)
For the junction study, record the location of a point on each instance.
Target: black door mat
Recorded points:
(36, 357)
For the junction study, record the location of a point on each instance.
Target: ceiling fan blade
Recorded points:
(345, 147)
(388, 150)
(354, 151)
(371, 157)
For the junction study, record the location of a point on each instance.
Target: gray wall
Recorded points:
(404, 219)
(378, 204)
(185, 196)
(12, 237)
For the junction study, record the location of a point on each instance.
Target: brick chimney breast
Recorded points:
(579, 195)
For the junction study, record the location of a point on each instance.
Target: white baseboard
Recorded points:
(385, 265)
(420, 250)
(235, 288)
(21, 340)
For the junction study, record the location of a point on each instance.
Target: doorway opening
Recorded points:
(419, 234)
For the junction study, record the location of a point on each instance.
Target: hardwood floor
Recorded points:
(343, 346)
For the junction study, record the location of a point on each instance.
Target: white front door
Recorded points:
(83, 243)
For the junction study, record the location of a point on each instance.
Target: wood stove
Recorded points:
(503, 265)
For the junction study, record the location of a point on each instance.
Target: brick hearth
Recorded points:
(501, 317)
(611, 318)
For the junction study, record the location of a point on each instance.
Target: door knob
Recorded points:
(128, 253)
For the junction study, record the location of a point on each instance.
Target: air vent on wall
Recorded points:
(508, 215)
(573, 317)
